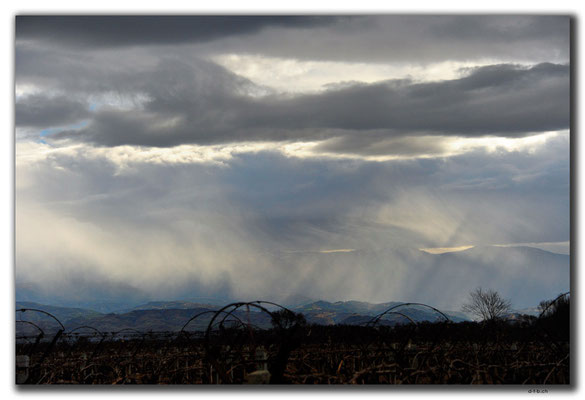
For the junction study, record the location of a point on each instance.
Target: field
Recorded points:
(531, 352)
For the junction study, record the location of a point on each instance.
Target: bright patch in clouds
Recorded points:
(125, 157)
(554, 247)
(294, 76)
(442, 250)
(529, 143)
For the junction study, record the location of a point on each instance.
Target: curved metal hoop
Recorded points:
(44, 312)
(258, 304)
(39, 336)
(560, 296)
(209, 312)
(377, 318)
(33, 324)
(88, 327)
(412, 321)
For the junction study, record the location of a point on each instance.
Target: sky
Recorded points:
(270, 156)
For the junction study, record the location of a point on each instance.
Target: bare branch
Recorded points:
(486, 304)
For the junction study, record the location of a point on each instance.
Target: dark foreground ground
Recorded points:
(529, 352)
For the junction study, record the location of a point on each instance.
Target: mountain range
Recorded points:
(543, 275)
(173, 315)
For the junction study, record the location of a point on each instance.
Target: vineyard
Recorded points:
(232, 350)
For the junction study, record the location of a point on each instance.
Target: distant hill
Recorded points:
(525, 275)
(155, 320)
(534, 311)
(173, 315)
(351, 306)
(61, 313)
(172, 305)
(359, 312)
(145, 319)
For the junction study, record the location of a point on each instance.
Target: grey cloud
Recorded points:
(252, 222)
(418, 39)
(361, 38)
(44, 112)
(497, 99)
(128, 30)
(182, 99)
(205, 104)
(482, 28)
(320, 195)
(383, 143)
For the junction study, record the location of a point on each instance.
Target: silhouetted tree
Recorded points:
(486, 304)
(558, 306)
(555, 317)
(286, 319)
(290, 327)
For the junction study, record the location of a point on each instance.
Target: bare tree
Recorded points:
(486, 304)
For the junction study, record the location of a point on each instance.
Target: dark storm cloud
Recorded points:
(171, 96)
(114, 31)
(496, 99)
(421, 38)
(206, 104)
(377, 38)
(45, 112)
(481, 28)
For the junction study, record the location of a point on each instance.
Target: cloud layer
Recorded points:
(147, 167)
(250, 224)
(203, 103)
(365, 38)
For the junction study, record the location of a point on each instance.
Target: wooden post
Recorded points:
(22, 369)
